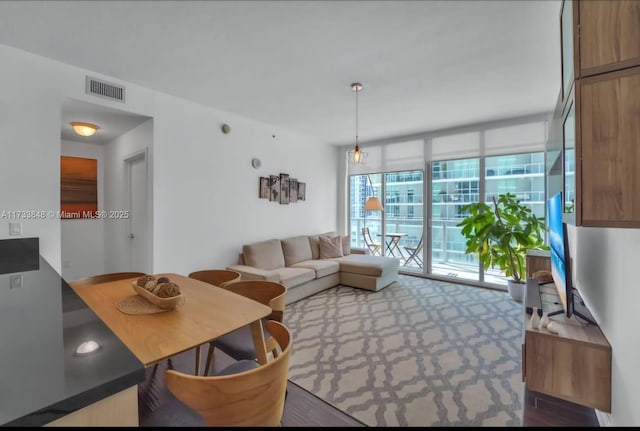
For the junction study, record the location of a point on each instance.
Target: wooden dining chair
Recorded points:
(105, 278)
(414, 254)
(243, 394)
(216, 277)
(374, 248)
(239, 343)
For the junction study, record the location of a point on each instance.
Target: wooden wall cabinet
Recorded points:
(610, 148)
(598, 114)
(609, 35)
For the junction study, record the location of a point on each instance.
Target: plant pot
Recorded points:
(516, 289)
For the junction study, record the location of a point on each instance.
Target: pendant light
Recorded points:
(357, 156)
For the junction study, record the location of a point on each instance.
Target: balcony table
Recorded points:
(393, 243)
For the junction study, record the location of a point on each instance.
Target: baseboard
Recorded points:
(604, 419)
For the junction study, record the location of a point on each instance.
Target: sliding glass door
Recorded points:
(454, 183)
(518, 174)
(361, 187)
(404, 218)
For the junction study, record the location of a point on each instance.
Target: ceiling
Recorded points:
(111, 122)
(424, 65)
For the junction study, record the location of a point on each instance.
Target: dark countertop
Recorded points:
(42, 322)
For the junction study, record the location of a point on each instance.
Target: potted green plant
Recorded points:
(500, 236)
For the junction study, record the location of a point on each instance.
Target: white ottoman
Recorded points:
(367, 271)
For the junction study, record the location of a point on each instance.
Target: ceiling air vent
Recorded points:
(105, 89)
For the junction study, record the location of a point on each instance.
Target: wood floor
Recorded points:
(157, 407)
(544, 411)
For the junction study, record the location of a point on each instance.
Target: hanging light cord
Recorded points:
(357, 91)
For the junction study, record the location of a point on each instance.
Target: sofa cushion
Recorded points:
(346, 245)
(322, 267)
(291, 277)
(363, 264)
(296, 249)
(253, 273)
(264, 255)
(314, 242)
(330, 246)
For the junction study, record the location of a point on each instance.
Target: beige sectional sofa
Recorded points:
(301, 264)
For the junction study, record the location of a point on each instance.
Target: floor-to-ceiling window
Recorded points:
(404, 217)
(419, 221)
(361, 187)
(521, 175)
(454, 183)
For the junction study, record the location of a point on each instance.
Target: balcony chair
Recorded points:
(239, 343)
(414, 254)
(374, 248)
(245, 393)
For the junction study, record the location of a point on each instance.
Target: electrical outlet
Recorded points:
(15, 281)
(15, 228)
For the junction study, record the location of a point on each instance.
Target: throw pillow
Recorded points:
(346, 245)
(315, 244)
(330, 246)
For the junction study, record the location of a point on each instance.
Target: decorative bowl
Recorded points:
(164, 303)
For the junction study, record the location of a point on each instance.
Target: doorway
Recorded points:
(137, 212)
(122, 150)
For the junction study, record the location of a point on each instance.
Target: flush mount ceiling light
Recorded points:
(84, 129)
(356, 155)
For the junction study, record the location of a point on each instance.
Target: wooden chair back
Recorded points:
(217, 277)
(250, 398)
(104, 278)
(265, 292)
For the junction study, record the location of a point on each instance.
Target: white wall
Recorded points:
(205, 203)
(82, 240)
(30, 143)
(606, 274)
(116, 229)
(206, 192)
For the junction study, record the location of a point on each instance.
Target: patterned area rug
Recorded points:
(417, 353)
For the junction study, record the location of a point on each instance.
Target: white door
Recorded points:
(138, 220)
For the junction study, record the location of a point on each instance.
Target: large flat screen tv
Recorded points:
(559, 251)
(560, 257)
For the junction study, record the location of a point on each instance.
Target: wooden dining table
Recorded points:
(208, 312)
